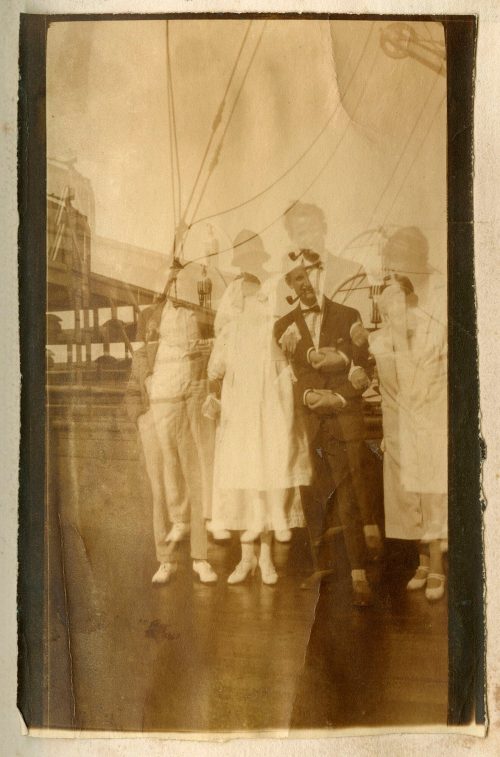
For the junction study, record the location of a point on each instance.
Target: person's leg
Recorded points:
(419, 580)
(434, 516)
(364, 490)
(348, 511)
(153, 459)
(316, 507)
(436, 578)
(267, 569)
(351, 521)
(247, 563)
(166, 419)
(189, 459)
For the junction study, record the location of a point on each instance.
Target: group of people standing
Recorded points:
(270, 434)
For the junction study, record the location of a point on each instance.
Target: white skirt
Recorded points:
(252, 510)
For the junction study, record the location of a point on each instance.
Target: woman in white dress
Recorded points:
(261, 453)
(410, 350)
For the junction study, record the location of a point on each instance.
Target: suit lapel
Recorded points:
(333, 327)
(329, 325)
(302, 326)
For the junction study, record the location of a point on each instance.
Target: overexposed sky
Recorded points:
(381, 159)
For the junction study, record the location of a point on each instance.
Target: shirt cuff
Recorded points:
(347, 361)
(353, 369)
(305, 395)
(356, 323)
(311, 349)
(344, 401)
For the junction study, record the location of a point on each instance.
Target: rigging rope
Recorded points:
(316, 177)
(216, 123)
(299, 159)
(174, 125)
(398, 163)
(170, 133)
(235, 102)
(325, 165)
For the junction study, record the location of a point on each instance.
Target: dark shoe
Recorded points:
(328, 534)
(312, 581)
(362, 595)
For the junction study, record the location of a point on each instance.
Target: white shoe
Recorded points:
(419, 579)
(205, 572)
(178, 532)
(283, 536)
(268, 572)
(435, 592)
(242, 570)
(164, 573)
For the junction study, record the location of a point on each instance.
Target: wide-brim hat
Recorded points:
(409, 248)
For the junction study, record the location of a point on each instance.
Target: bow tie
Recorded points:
(312, 309)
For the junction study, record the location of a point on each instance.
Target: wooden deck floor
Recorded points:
(122, 655)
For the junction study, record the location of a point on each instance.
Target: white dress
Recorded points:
(261, 452)
(413, 386)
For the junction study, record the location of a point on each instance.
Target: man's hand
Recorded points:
(359, 334)
(289, 344)
(290, 340)
(327, 359)
(324, 401)
(211, 407)
(359, 379)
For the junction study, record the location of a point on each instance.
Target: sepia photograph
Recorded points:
(250, 515)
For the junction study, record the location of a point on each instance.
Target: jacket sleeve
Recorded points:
(359, 356)
(281, 325)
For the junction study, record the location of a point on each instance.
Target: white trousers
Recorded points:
(171, 440)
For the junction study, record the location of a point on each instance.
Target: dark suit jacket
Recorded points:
(347, 424)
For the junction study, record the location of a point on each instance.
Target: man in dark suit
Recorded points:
(306, 227)
(331, 371)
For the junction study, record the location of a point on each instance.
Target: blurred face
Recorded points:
(308, 232)
(392, 304)
(298, 280)
(401, 258)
